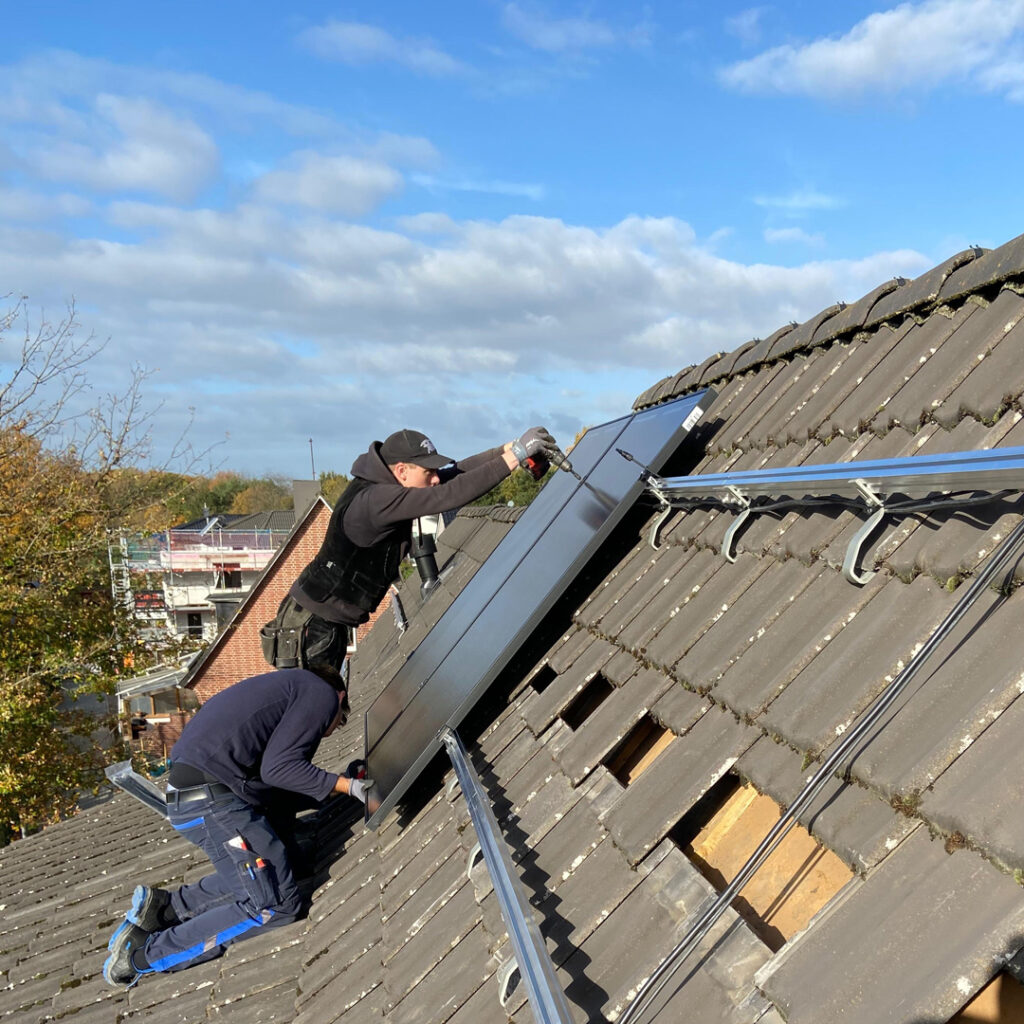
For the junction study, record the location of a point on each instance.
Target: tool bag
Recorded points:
(281, 638)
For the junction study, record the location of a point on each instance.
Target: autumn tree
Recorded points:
(263, 495)
(332, 485)
(66, 461)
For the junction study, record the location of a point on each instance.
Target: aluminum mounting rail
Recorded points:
(943, 478)
(547, 1000)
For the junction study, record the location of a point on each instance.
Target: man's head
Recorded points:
(412, 458)
(330, 675)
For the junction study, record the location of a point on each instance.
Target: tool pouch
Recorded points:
(255, 874)
(281, 639)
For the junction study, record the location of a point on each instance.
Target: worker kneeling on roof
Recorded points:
(249, 748)
(394, 482)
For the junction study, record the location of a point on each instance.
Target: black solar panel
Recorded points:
(510, 593)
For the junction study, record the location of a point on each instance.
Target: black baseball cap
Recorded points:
(412, 446)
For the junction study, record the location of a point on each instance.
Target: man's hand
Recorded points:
(357, 788)
(536, 439)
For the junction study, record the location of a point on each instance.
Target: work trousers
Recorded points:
(252, 887)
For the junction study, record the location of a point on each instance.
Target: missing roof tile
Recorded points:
(721, 832)
(587, 701)
(1001, 1001)
(635, 754)
(543, 678)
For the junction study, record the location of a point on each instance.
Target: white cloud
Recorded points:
(562, 35)
(911, 46)
(800, 201)
(776, 236)
(133, 144)
(37, 88)
(358, 43)
(746, 26)
(20, 204)
(521, 190)
(334, 184)
(280, 326)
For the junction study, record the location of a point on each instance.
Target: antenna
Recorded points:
(312, 465)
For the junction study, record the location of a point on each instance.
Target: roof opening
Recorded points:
(635, 754)
(543, 678)
(587, 701)
(1001, 1001)
(723, 829)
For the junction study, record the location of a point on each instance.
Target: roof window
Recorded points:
(719, 834)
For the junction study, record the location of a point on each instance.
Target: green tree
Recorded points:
(517, 489)
(264, 495)
(332, 484)
(65, 478)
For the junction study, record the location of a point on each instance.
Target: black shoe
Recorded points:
(151, 909)
(118, 968)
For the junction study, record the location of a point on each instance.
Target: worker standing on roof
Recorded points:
(248, 747)
(394, 482)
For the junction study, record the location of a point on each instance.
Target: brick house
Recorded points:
(235, 653)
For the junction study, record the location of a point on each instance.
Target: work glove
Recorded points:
(535, 440)
(357, 788)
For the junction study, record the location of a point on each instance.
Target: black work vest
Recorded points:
(344, 571)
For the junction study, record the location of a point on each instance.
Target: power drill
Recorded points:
(537, 465)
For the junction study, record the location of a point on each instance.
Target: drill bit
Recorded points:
(563, 463)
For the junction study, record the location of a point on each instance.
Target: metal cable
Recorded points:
(661, 976)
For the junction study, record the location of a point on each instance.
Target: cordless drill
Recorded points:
(537, 465)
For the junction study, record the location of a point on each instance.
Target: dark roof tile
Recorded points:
(807, 626)
(993, 380)
(810, 332)
(654, 802)
(854, 316)
(967, 684)
(753, 355)
(821, 702)
(612, 721)
(936, 357)
(858, 826)
(731, 359)
(991, 766)
(743, 622)
(860, 398)
(888, 927)
(990, 268)
(922, 290)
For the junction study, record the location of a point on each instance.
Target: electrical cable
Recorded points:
(661, 976)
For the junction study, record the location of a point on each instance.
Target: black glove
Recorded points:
(535, 440)
(356, 769)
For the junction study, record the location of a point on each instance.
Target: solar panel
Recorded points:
(519, 582)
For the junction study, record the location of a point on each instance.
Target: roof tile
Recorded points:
(887, 926)
(922, 290)
(992, 267)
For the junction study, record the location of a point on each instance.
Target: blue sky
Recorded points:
(332, 221)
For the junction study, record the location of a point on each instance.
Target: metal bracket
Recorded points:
(868, 492)
(729, 540)
(507, 980)
(471, 861)
(854, 547)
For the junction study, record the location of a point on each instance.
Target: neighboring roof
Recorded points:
(280, 520)
(280, 555)
(754, 667)
(277, 519)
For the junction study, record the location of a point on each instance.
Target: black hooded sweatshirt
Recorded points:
(383, 509)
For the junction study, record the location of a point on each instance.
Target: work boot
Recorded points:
(151, 909)
(118, 968)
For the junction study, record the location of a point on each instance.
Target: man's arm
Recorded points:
(382, 505)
